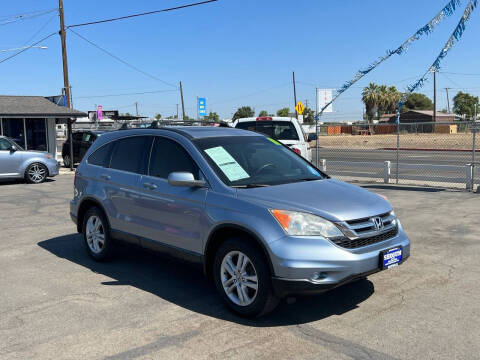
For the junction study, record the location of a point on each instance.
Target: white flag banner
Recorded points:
(324, 96)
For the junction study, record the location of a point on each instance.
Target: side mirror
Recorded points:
(13, 148)
(312, 137)
(184, 179)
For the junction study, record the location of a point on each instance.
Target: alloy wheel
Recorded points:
(95, 234)
(239, 278)
(37, 173)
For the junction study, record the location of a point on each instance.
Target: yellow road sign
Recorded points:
(300, 108)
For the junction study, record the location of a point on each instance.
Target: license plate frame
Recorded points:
(388, 262)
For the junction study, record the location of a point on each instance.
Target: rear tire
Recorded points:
(96, 235)
(36, 173)
(66, 161)
(243, 279)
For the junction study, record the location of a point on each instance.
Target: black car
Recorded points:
(82, 140)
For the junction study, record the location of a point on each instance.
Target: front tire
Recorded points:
(243, 279)
(36, 173)
(96, 234)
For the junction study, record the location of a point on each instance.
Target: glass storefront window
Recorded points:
(13, 128)
(36, 134)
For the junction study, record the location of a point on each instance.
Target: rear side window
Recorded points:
(168, 156)
(5, 144)
(101, 156)
(131, 154)
(281, 130)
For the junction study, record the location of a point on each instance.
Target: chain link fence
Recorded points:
(421, 153)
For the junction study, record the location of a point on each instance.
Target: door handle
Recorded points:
(105, 177)
(150, 186)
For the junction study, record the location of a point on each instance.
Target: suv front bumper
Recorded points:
(304, 265)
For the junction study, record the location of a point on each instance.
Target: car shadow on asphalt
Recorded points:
(5, 182)
(185, 285)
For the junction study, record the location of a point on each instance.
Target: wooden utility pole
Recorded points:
(66, 83)
(434, 96)
(63, 36)
(294, 95)
(448, 100)
(183, 105)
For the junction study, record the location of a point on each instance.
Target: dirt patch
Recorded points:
(414, 141)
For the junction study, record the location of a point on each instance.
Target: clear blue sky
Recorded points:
(234, 52)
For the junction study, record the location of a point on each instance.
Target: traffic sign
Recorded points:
(300, 108)
(202, 107)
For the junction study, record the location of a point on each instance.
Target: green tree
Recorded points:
(308, 116)
(464, 103)
(417, 101)
(212, 116)
(263, 113)
(243, 112)
(380, 99)
(284, 112)
(393, 96)
(158, 116)
(371, 99)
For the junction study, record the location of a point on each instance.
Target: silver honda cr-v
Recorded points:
(264, 222)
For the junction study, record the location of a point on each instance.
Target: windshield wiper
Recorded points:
(249, 186)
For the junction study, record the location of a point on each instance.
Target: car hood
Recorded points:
(332, 199)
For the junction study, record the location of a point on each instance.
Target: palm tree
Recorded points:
(394, 97)
(383, 99)
(371, 100)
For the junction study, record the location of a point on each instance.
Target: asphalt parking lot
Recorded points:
(57, 303)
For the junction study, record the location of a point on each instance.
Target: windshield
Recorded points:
(247, 161)
(281, 130)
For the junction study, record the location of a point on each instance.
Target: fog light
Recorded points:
(318, 276)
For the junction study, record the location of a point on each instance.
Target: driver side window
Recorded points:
(5, 144)
(168, 156)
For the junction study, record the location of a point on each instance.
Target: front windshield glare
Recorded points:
(255, 161)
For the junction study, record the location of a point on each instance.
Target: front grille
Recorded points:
(353, 244)
(365, 225)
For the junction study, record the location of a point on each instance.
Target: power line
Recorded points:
(40, 30)
(14, 18)
(122, 61)
(142, 14)
(251, 94)
(453, 73)
(124, 94)
(27, 48)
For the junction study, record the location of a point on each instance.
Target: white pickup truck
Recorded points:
(287, 130)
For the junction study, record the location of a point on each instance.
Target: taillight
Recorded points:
(296, 150)
(264, 118)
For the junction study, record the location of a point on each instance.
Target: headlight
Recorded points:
(303, 224)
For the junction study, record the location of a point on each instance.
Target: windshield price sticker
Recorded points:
(229, 166)
(274, 141)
